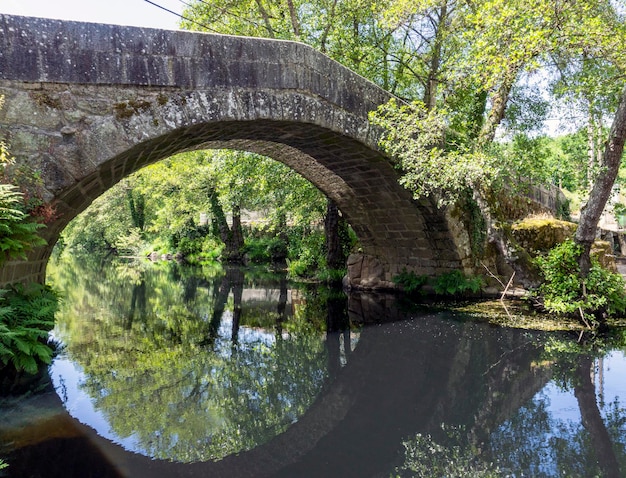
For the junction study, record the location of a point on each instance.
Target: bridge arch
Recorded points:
(89, 104)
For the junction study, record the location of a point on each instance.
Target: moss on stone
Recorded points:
(127, 109)
(44, 99)
(540, 234)
(537, 235)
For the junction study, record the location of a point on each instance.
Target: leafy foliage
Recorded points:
(331, 276)
(18, 234)
(306, 252)
(564, 292)
(455, 282)
(26, 317)
(431, 161)
(410, 281)
(101, 226)
(160, 208)
(353, 32)
(265, 249)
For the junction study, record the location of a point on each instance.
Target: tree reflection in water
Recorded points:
(186, 368)
(588, 436)
(196, 366)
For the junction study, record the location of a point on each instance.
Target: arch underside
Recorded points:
(390, 225)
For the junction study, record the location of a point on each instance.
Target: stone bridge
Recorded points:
(88, 104)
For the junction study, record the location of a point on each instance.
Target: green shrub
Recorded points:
(265, 249)
(26, 317)
(455, 282)
(187, 246)
(306, 253)
(410, 281)
(565, 292)
(211, 249)
(331, 276)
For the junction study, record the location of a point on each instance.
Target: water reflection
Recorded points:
(279, 382)
(570, 428)
(183, 366)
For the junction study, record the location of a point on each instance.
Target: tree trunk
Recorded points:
(220, 298)
(236, 279)
(333, 225)
(498, 105)
(281, 308)
(266, 19)
(232, 238)
(236, 233)
(218, 218)
(295, 23)
(279, 254)
(432, 82)
(591, 148)
(603, 185)
(327, 27)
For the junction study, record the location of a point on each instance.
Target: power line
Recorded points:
(182, 16)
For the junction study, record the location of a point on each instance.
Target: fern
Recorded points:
(18, 233)
(5, 312)
(26, 317)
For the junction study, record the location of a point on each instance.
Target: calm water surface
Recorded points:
(171, 371)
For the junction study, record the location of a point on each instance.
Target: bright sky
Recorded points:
(122, 12)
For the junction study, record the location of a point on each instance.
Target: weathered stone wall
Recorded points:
(88, 104)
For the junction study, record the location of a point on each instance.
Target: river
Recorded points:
(171, 371)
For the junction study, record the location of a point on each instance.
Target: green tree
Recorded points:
(432, 161)
(563, 292)
(501, 41)
(352, 32)
(569, 161)
(137, 205)
(284, 200)
(102, 227)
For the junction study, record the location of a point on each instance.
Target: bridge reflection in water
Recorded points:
(381, 390)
